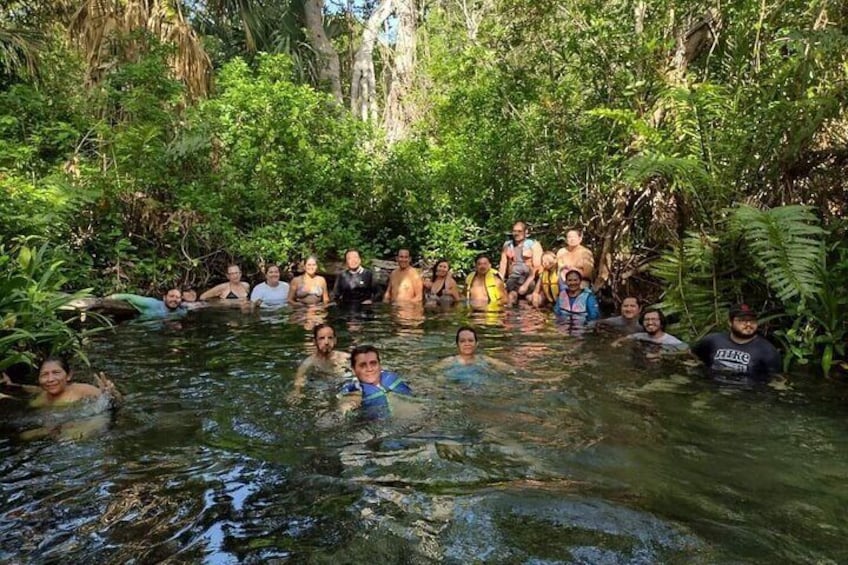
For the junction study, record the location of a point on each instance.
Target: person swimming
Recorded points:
(55, 390)
(373, 385)
(326, 360)
(467, 365)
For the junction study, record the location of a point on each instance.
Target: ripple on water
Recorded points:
(582, 454)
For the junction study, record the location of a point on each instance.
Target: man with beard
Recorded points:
(171, 303)
(742, 352)
(325, 360)
(653, 321)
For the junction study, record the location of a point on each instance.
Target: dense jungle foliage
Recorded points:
(703, 147)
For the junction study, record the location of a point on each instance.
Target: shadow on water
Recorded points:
(582, 454)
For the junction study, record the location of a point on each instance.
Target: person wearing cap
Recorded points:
(742, 351)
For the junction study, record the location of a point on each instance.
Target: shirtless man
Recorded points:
(325, 359)
(484, 286)
(405, 284)
(521, 258)
(575, 256)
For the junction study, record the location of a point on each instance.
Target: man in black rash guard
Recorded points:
(742, 352)
(354, 285)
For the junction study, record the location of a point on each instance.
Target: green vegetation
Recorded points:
(31, 303)
(703, 148)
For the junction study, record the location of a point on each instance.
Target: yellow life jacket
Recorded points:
(550, 285)
(492, 288)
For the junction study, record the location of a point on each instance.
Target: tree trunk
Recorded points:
(329, 72)
(473, 12)
(399, 107)
(363, 84)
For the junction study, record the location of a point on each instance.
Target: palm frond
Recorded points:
(96, 25)
(19, 50)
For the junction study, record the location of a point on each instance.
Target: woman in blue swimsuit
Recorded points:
(468, 365)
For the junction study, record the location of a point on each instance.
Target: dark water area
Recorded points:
(584, 454)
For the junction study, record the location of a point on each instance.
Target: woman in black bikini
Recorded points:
(441, 287)
(233, 289)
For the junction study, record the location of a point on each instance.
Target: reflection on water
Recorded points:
(582, 454)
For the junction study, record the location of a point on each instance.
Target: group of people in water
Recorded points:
(559, 281)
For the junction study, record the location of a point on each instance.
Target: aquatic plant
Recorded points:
(35, 318)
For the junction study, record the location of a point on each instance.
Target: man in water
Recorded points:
(653, 321)
(354, 285)
(521, 258)
(742, 352)
(171, 303)
(405, 284)
(373, 384)
(485, 286)
(575, 256)
(628, 322)
(325, 359)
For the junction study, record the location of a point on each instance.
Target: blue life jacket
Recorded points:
(578, 309)
(375, 399)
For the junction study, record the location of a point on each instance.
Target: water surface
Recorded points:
(585, 454)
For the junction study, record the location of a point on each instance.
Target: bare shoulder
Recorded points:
(306, 363)
(83, 390)
(341, 356)
(212, 292)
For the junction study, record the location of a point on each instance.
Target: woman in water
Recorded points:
(467, 356)
(233, 289)
(574, 304)
(272, 292)
(310, 287)
(82, 409)
(56, 389)
(441, 287)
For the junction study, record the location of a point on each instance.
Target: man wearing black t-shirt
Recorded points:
(742, 352)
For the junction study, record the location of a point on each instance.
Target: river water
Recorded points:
(583, 454)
